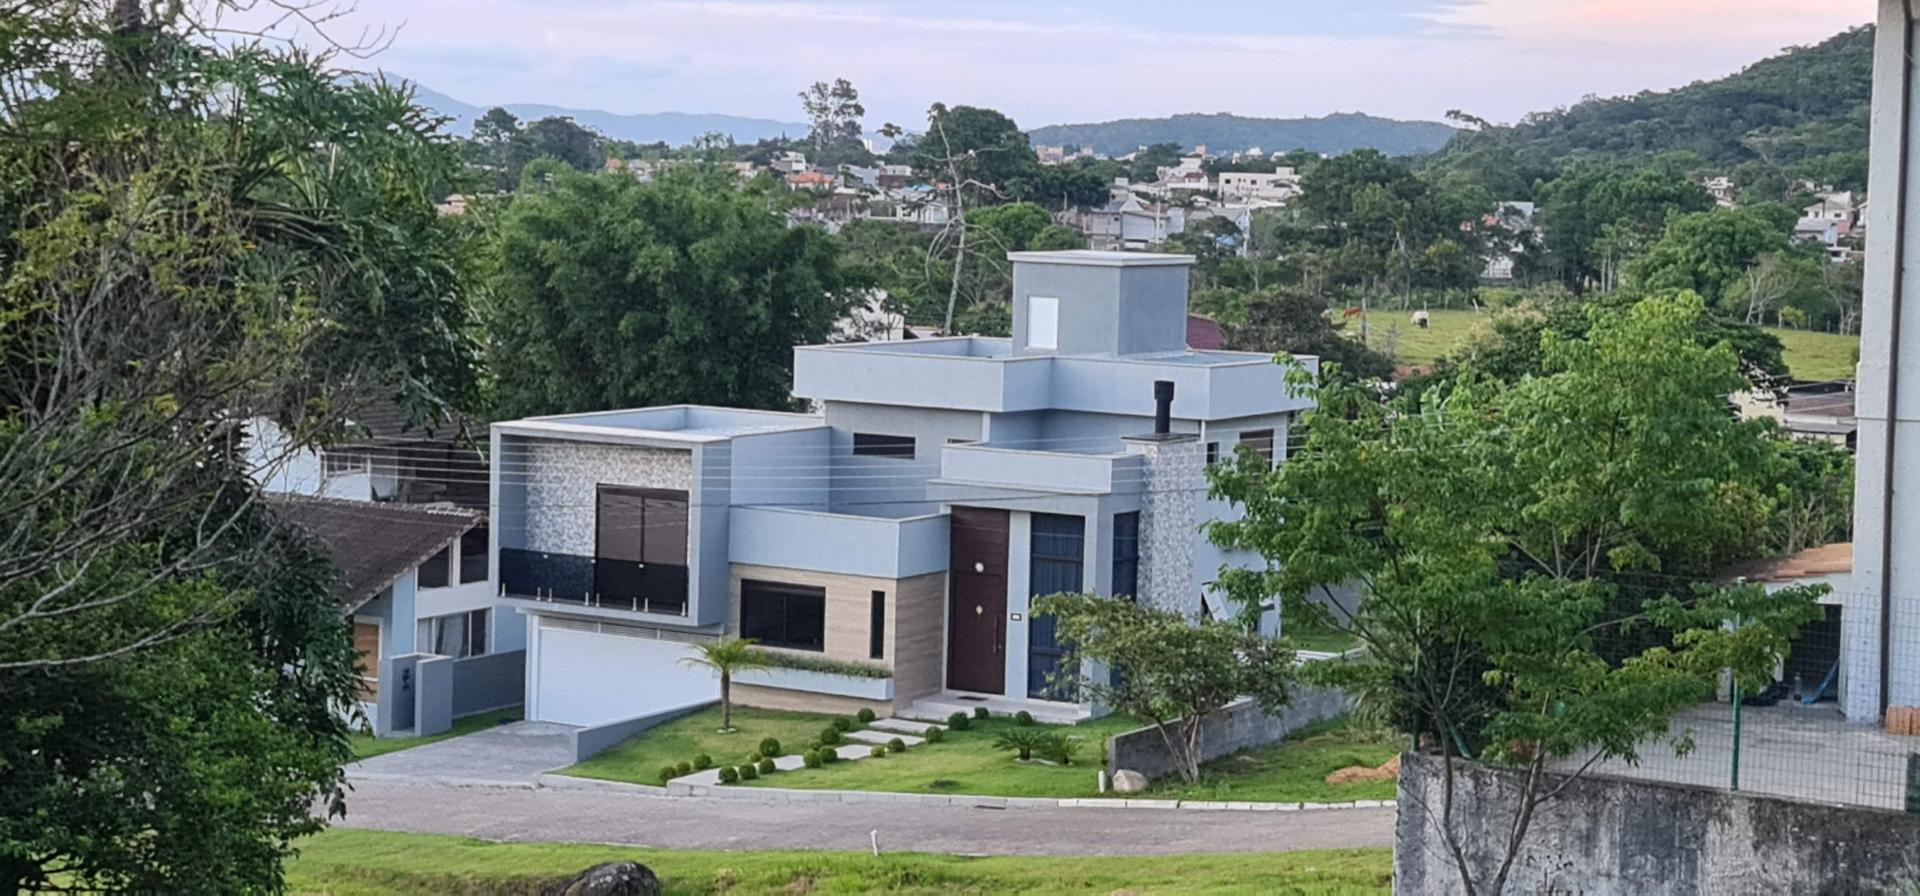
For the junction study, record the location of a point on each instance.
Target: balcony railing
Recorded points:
(594, 582)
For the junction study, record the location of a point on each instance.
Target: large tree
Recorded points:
(192, 236)
(833, 114)
(1532, 558)
(612, 293)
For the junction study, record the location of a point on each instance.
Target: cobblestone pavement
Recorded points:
(592, 816)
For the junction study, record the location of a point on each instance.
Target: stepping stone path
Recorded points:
(862, 748)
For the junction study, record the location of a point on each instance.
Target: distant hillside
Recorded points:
(1221, 132)
(1806, 106)
(676, 128)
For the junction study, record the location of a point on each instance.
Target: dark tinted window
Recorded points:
(868, 444)
(1126, 554)
(642, 525)
(877, 626)
(433, 573)
(1260, 440)
(780, 615)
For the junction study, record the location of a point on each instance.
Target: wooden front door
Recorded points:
(366, 643)
(977, 601)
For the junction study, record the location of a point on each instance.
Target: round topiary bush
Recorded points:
(843, 724)
(980, 712)
(754, 757)
(702, 762)
(769, 747)
(865, 715)
(897, 745)
(728, 775)
(829, 756)
(1023, 718)
(815, 744)
(811, 759)
(748, 772)
(667, 773)
(935, 735)
(878, 751)
(767, 767)
(684, 768)
(829, 736)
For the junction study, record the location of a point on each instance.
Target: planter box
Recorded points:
(857, 686)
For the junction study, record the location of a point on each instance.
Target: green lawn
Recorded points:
(966, 762)
(1318, 636)
(639, 759)
(1294, 770)
(378, 863)
(366, 745)
(1810, 355)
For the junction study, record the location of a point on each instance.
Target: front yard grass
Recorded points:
(1295, 769)
(1320, 636)
(966, 762)
(639, 759)
(365, 863)
(366, 745)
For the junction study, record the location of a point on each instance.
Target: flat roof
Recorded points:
(681, 422)
(1101, 258)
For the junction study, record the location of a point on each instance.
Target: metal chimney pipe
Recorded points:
(1162, 407)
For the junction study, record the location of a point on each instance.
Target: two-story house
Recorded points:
(886, 549)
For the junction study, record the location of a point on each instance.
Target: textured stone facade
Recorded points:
(561, 481)
(1174, 483)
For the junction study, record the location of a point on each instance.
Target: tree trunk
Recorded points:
(726, 701)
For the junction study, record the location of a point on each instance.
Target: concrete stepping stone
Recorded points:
(881, 737)
(903, 726)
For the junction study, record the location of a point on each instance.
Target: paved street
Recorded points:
(498, 813)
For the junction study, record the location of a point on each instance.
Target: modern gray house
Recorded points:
(889, 544)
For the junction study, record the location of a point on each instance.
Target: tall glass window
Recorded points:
(1055, 566)
(1126, 554)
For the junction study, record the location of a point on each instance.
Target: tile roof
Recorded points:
(1204, 333)
(1814, 562)
(373, 544)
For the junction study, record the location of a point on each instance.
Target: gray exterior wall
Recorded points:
(492, 681)
(596, 739)
(1106, 309)
(1606, 836)
(889, 485)
(786, 469)
(1240, 725)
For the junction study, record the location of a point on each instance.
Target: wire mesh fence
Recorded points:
(1817, 732)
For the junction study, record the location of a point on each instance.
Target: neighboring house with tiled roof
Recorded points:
(1204, 334)
(381, 455)
(1816, 666)
(434, 642)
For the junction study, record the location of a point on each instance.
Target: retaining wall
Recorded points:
(1239, 725)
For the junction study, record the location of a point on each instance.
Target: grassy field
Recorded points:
(365, 745)
(1810, 355)
(1317, 636)
(366, 863)
(1293, 770)
(639, 760)
(966, 762)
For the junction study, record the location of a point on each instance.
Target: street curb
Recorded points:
(780, 795)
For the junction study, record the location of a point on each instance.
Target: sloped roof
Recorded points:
(1814, 562)
(1204, 334)
(373, 544)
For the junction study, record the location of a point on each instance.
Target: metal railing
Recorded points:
(594, 582)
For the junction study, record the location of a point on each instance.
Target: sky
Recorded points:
(1088, 60)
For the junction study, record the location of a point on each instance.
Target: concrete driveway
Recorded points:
(625, 818)
(510, 755)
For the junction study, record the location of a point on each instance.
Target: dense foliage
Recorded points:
(611, 293)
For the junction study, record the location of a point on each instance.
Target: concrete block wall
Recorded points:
(1608, 836)
(1240, 725)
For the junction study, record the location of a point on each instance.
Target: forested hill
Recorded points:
(1803, 111)
(1223, 133)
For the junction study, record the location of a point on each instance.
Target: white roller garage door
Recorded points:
(584, 673)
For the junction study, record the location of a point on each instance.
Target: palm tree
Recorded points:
(727, 656)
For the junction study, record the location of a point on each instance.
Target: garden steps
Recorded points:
(862, 748)
(881, 737)
(903, 726)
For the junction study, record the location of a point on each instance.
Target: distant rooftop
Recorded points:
(680, 423)
(1093, 257)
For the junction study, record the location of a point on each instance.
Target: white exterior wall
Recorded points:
(283, 469)
(588, 677)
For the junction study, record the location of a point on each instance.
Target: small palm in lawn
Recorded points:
(727, 656)
(1022, 741)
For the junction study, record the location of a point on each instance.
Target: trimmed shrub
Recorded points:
(829, 756)
(843, 724)
(935, 735)
(811, 759)
(728, 775)
(829, 736)
(1023, 718)
(667, 773)
(865, 715)
(769, 747)
(702, 762)
(815, 745)
(684, 768)
(878, 751)
(754, 757)
(767, 767)
(980, 712)
(897, 745)
(959, 721)
(748, 772)
(1060, 749)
